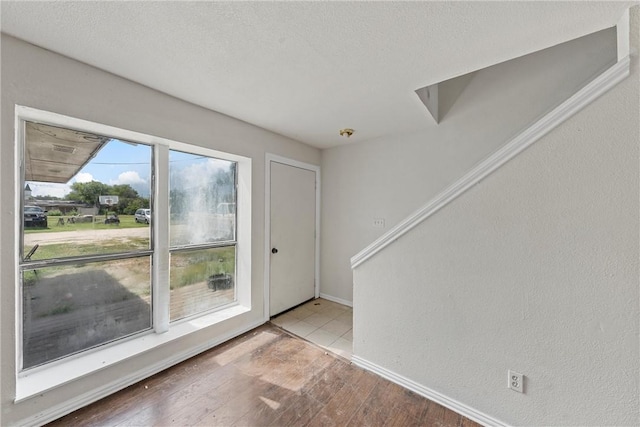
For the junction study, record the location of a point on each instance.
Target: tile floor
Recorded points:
(322, 322)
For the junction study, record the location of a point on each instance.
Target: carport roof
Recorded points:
(54, 154)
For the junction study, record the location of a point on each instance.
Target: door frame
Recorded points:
(269, 158)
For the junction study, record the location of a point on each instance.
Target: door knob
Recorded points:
(274, 251)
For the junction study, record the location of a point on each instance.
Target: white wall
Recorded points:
(535, 269)
(393, 176)
(37, 78)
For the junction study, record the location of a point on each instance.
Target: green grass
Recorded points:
(187, 267)
(126, 221)
(192, 267)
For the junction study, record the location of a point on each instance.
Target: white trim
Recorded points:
(454, 405)
(18, 150)
(622, 34)
(60, 120)
(244, 212)
(549, 121)
(82, 400)
(71, 368)
(336, 299)
(39, 379)
(267, 223)
(161, 293)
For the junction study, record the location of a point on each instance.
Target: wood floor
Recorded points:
(264, 378)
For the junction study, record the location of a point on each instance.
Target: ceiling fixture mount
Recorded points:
(346, 132)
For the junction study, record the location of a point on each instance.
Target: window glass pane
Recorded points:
(201, 280)
(67, 309)
(202, 199)
(81, 193)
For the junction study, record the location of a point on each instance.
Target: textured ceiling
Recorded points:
(303, 69)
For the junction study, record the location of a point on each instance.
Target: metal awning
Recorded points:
(54, 154)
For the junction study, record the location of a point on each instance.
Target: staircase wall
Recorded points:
(393, 176)
(535, 269)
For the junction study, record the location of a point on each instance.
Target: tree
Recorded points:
(124, 191)
(88, 192)
(134, 205)
(127, 197)
(177, 201)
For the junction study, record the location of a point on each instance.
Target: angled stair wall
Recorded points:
(530, 262)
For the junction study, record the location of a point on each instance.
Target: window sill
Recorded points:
(38, 380)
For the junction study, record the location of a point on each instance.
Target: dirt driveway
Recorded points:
(84, 236)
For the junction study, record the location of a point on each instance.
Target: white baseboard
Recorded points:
(85, 399)
(336, 299)
(430, 394)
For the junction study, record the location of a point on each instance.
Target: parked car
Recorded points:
(143, 215)
(35, 216)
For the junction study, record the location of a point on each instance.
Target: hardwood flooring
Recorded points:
(265, 377)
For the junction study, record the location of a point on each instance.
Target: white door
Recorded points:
(293, 225)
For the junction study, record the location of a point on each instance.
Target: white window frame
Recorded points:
(53, 374)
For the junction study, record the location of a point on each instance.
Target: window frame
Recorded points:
(177, 249)
(55, 373)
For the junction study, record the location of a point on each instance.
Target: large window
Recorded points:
(69, 308)
(202, 200)
(85, 261)
(120, 237)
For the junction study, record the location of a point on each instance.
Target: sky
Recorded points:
(120, 162)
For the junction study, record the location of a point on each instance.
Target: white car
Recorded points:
(143, 215)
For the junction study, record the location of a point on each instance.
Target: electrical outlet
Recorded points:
(378, 222)
(516, 381)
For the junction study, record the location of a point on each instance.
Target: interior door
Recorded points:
(293, 228)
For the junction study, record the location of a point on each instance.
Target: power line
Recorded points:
(120, 163)
(146, 163)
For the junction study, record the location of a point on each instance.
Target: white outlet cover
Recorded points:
(515, 381)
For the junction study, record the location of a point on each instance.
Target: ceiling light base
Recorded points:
(346, 132)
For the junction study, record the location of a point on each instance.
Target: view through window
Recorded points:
(87, 250)
(202, 200)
